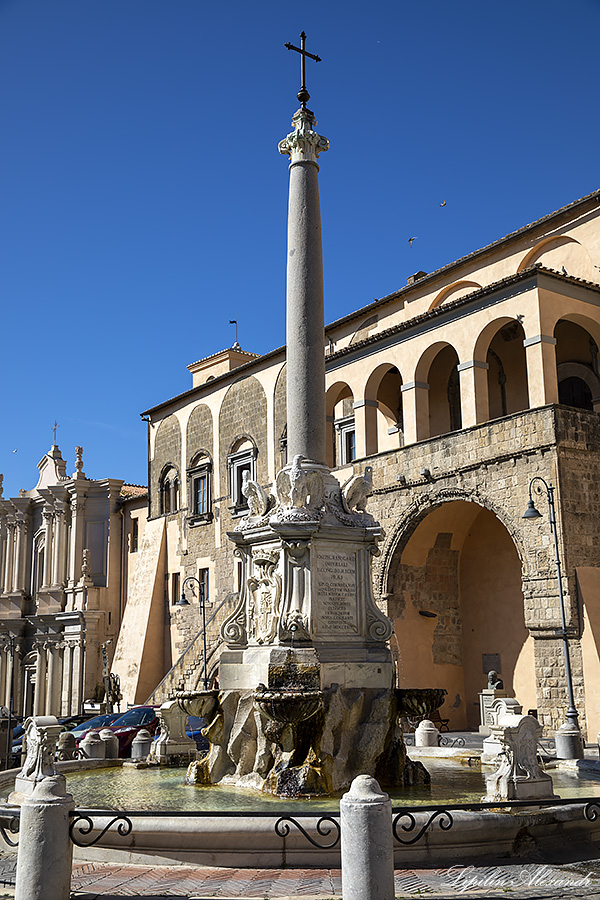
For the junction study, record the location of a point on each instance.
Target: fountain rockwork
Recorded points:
(306, 701)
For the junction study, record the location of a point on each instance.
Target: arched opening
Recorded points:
(341, 443)
(169, 490)
(384, 425)
(455, 597)
(507, 371)
(577, 366)
(444, 393)
(241, 459)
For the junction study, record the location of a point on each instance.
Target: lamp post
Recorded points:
(569, 742)
(191, 579)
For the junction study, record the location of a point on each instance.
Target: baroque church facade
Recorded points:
(456, 390)
(64, 549)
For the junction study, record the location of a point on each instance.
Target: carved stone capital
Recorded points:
(303, 144)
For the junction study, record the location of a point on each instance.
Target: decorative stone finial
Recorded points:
(79, 460)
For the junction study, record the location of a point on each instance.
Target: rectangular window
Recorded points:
(199, 489)
(203, 579)
(174, 588)
(200, 498)
(134, 536)
(245, 461)
(346, 440)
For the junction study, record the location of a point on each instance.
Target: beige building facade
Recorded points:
(457, 390)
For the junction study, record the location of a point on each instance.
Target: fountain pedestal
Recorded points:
(306, 626)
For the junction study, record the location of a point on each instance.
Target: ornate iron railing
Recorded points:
(409, 824)
(10, 818)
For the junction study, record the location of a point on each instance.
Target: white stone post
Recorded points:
(367, 842)
(426, 734)
(45, 856)
(305, 351)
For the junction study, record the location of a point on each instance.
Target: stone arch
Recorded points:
(438, 368)
(454, 291)
(383, 409)
(454, 590)
(577, 361)
(558, 251)
(339, 407)
(199, 432)
(167, 450)
(500, 346)
(244, 412)
(418, 510)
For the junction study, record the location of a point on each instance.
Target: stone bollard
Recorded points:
(45, 854)
(141, 745)
(111, 743)
(93, 746)
(569, 742)
(426, 734)
(367, 842)
(67, 746)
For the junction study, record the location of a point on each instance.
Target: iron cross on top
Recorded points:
(303, 95)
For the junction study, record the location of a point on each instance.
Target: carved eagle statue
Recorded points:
(257, 497)
(356, 490)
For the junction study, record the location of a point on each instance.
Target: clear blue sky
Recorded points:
(143, 200)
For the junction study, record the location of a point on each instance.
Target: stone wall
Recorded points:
(167, 450)
(492, 465)
(199, 433)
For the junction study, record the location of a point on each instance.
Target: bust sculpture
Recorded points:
(494, 682)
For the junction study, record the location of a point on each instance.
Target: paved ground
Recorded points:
(580, 880)
(522, 881)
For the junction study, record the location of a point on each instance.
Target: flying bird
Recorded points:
(15, 450)
(443, 203)
(410, 240)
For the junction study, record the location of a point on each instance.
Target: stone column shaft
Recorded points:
(18, 563)
(542, 380)
(10, 555)
(415, 404)
(40, 682)
(474, 401)
(47, 579)
(305, 316)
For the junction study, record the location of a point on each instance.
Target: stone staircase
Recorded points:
(187, 673)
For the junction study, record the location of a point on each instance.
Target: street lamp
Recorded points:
(191, 579)
(541, 486)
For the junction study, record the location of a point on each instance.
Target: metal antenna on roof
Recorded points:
(234, 322)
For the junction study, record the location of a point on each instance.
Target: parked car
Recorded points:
(95, 723)
(127, 726)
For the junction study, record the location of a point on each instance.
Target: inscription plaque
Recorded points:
(335, 602)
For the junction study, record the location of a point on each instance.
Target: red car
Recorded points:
(127, 726)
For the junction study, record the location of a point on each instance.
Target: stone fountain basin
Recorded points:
(419, 701)
(247, 841)
(288, 706)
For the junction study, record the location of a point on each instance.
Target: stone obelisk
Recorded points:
(305, 315)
